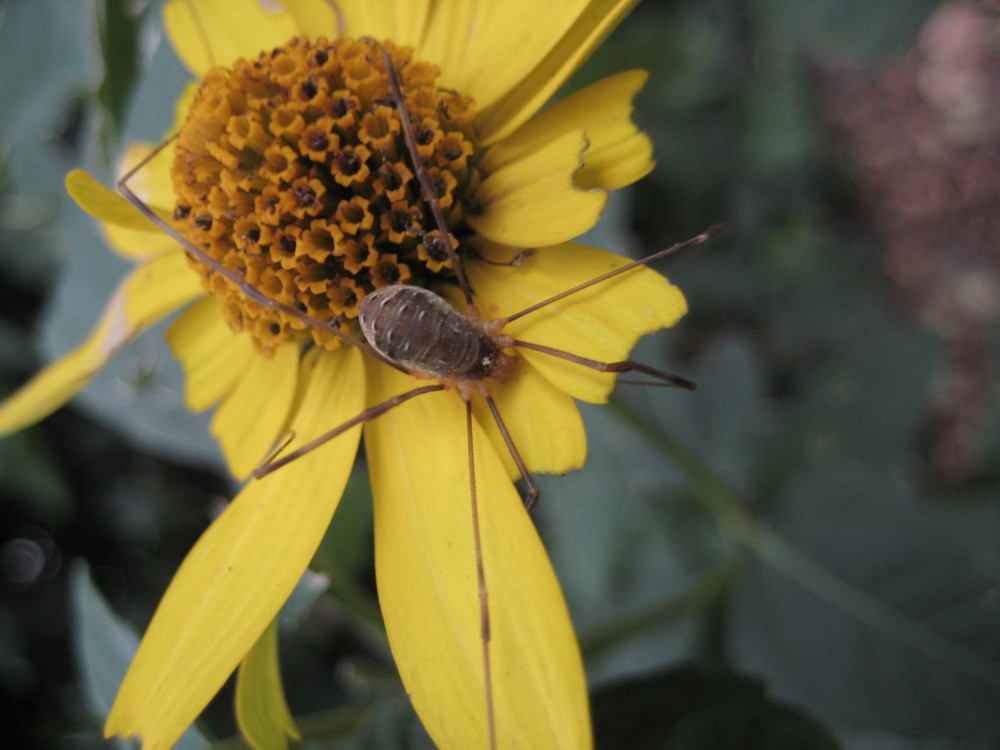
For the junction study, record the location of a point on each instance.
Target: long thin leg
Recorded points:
(697, 240)
(531, 489)
(273, 463)
(423, 177)
(341, 21)
(484, 604)
(623, 366)
(247, 289)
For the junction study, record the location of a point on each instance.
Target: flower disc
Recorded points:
(292, 170)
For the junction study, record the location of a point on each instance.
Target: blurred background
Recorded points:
(804, 553)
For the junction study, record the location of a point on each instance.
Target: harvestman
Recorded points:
(417, 332)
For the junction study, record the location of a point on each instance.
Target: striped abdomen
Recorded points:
(417, 329)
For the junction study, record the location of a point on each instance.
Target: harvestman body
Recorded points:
(416, 331)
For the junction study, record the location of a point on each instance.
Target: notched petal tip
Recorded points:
(534, 201)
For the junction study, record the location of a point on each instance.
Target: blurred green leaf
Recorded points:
(118, 31)
(688, 708)
(309, 588)
(31, 473)
(391, 724)
(347, 547)
(877, 612)
(43, 82)
(104, 645)
(867, 31)
(866, 404)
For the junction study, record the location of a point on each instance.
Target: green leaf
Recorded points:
(30, 471)
(104, 644)
(310, 588)
(870, 31)
(118, 31)
(874, 611)
(690, 708)
(867, 404)
(392, 725)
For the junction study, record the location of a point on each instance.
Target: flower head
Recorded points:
(292, 175)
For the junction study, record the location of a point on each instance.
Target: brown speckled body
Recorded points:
(418, 330)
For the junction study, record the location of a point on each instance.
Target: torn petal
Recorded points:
(618, 153)
(534, 201)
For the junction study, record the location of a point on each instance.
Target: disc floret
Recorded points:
(291, 169)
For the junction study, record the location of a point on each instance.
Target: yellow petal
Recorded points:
(104, 204)
(219, 32)
(261, 709)
(402, 23)
(254, 413)
(181, 109)
(150, 292)
(543, 422)
(602, 322)
(213, 356)
(139, 245)
(618, 153)
(512, 56)
(534, 202)
(527, 85)
(153, 185)
(237, 576)
(426, 571)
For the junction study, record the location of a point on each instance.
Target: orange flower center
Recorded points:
(292, 170)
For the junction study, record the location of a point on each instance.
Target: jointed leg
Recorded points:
(484, 605)
(423, 177)
(624, 366)
(273, 463)
(531, 489)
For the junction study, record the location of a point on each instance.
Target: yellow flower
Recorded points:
(269, 150)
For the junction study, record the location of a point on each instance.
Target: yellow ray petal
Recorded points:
(493, 50)
(237, 576)
(254, 412)
(213, 356)
(139, 245)
(618, 153)
(543, 422)
(536, 202)
(528, 86)
(153, 184)
(426, 571)
(218, 32)
(602, 322)
(261, 709)
(150, 292)
(106, 205)
(402, 23)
